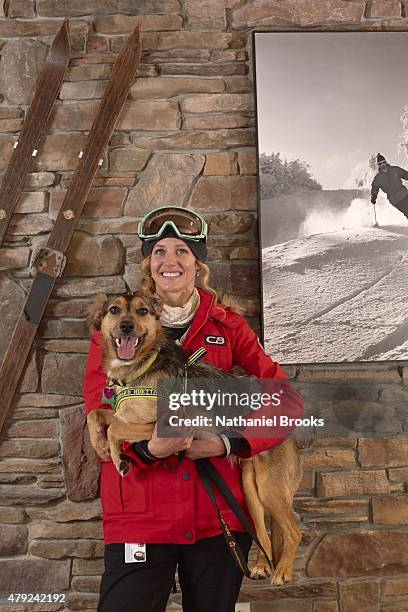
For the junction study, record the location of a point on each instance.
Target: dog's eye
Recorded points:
(142, 312)
(114, 309)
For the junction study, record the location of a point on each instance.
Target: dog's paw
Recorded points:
(281, 575)
(101, 447)
(260, 571)
(124, 467)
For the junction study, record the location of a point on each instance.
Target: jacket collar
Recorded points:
(205, 310)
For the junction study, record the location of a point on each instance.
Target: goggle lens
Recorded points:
(185, 222)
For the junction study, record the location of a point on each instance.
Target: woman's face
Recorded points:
(173, 267)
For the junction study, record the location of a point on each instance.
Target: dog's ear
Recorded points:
(156, 306)
(97, 311)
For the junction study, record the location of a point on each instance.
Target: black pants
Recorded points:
(403, 206)
(209, 579)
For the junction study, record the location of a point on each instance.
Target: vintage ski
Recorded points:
(50, 261)
(34, 126)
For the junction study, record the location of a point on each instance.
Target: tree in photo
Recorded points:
(282, 177)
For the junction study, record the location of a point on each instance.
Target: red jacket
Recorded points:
(152, 504)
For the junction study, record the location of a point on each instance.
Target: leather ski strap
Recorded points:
(209, 475)
(34, 126)
(50, 261)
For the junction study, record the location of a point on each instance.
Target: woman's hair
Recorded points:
(148, 287)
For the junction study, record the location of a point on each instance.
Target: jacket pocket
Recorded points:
(132, 493)
(136, 492)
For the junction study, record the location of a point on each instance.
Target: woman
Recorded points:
(167, 511)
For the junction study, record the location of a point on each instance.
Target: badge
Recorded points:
(217, 340)
(135, 553)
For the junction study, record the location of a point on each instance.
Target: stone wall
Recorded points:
(186, 135)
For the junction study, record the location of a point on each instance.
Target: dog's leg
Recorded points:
(98, 421)
(261, 568)
(125, 432)
(277, 479)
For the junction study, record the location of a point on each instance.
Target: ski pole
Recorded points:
(375, 217)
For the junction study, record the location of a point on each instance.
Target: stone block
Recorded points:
(350, 374)
(90, 286)
(378, 9)
(205, 15)
(122, 24)
(232, 192)
(94, 256)
(34, 576)
(390, 510)
(77, 8)
(59, 151)
(363, 595)
(129, 159)
(30, 449)
(261, 13)
(99, 203)
(329, 458)
(216, 103)
(31, 202)
(20, 66)
(247, 162)
(383, 451)
(167, 179)
(29, 225)
(398, 474)
(13, 540)
(67, 511)
(204, 70)
(158, 115)
(40, 179)
(325, 606)
(20, 8)
(375, 553)
(63, 373)
(168, 87)
(197, 139)
(63, 328)
(53, 549)
(331, 511)
(33, 429)
(82, 90)
(87, 567)
(12, 515)
(67, 346)
(220, 164)
(394, 589)
(24, 494)
(65, 531)
(29, 466)
(81, 464)
(217, 121)
(86, 583)
(352, 482)
(86, 602)
(14, 258)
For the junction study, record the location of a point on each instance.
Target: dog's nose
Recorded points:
(126, 327)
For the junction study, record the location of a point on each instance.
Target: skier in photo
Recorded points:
(389, 180)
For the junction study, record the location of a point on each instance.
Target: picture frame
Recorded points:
(334, 269)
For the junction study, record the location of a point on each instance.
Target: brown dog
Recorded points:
(132, 334)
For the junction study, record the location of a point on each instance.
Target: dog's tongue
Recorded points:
(127, 347)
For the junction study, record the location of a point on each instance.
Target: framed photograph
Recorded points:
(332, 121)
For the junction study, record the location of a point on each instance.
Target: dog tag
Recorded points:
(108, 396)
(135, 553)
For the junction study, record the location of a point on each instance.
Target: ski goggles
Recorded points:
(186, 224)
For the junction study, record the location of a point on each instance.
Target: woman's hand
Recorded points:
(208, 447)
(163, 447)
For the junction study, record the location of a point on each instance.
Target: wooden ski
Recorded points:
(34, 126)
(50, 260)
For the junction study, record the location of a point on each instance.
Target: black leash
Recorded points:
(209, 475)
